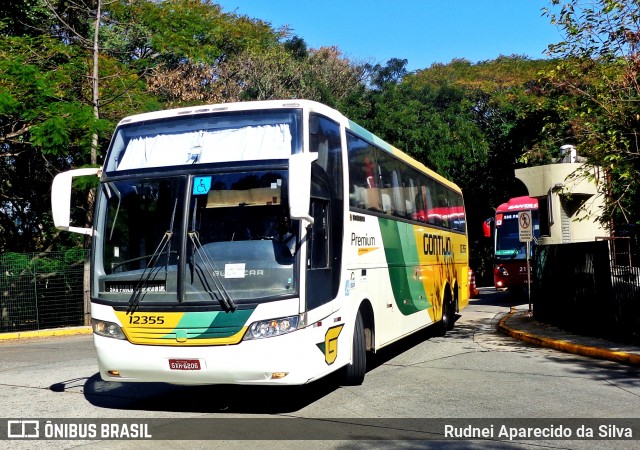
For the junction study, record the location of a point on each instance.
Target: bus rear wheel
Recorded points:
(354, 372)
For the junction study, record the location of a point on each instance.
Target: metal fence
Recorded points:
(41, 290)
(590, 288)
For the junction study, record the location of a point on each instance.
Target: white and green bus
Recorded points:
(269, 242)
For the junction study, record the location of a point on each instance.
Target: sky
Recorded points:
(422, 31)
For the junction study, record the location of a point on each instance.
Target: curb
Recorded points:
(45, 333)
(568, 347)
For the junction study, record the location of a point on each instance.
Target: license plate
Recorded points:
(184, 364)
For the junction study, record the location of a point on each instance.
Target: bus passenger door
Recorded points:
(319, 279)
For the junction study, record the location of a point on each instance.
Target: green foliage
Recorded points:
(491, 114)
(44, 127)
(46, 265)
(474, 123)
(24, 264)
(74, 256)
(596, 86)
(37, 97)
(436, 124)
(8, 103)
(297, 47)
(471, 122)
(24, 17)
(391, 73)
(47, 115)
(14, 262)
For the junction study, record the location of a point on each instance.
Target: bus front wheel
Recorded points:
(448, 318)
(354, 371)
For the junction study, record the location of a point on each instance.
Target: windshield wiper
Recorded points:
(165, 242)
(222, 295)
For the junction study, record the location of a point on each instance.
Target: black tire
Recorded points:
(354, 372)
(448, 319)
(452, 316)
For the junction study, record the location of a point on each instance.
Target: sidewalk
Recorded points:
(69, 331)
(518, 325)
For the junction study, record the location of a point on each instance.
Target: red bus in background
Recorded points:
(509, 254)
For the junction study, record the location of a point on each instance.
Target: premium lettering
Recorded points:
(363, 241)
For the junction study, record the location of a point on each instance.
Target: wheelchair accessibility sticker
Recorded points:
(201, 185)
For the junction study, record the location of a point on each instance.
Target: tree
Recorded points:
(24, 17)
(324, 75)
(471, 122)
(596, 81)
(501, 100)
(181, 46)
(52, 115)
(391, 73)
(435, 124)
(43, 127)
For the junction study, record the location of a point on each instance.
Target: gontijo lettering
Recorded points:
(434, 244)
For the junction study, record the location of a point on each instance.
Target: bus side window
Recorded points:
(421, 203)
(363, 175)
(324, 139)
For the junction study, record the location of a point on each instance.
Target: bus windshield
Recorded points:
(235, 244)
(508, 245)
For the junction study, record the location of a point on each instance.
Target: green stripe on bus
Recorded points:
(402, 261)
(214, 323)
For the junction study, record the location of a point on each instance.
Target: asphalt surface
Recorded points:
(518, 323)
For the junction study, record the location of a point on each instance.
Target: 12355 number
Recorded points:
(146, 320)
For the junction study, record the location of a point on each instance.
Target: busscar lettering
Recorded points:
(247, 273)
(363, 241)
(433, 244)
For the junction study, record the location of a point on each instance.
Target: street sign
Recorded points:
(525, 233)
(525, 226)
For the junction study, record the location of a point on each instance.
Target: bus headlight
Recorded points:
(107, 329)
(272, 327)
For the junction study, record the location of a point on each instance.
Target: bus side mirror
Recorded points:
(61, 199)
(300, 185)
(487, 226)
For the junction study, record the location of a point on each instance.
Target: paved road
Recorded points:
(473, 372)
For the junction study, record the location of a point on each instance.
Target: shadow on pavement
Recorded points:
(490, 297)
(202, 399)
